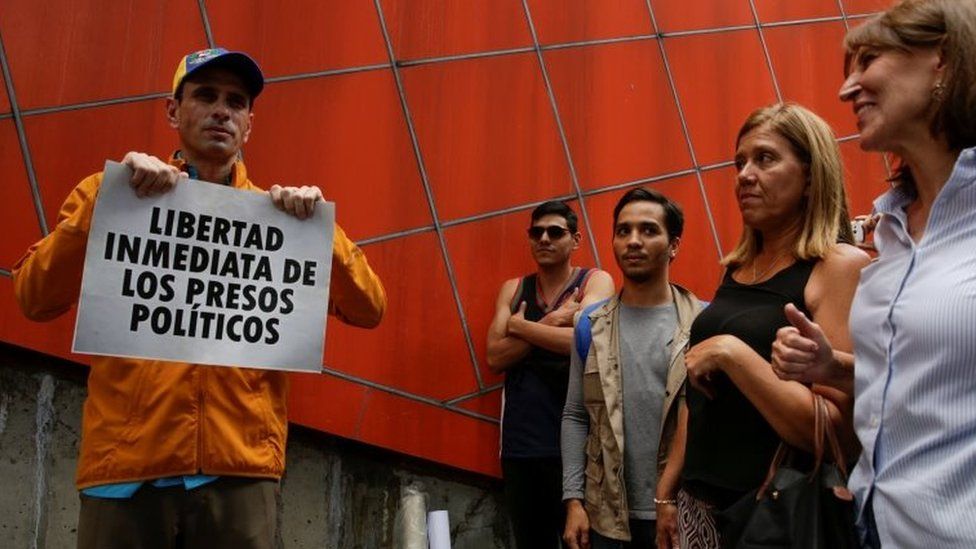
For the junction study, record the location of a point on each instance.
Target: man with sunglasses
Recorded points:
(529, 341)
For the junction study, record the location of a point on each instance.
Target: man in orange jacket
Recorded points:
(173, 454)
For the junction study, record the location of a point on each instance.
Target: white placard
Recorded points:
(204, 274)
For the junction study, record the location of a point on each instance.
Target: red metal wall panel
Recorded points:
(434, 157)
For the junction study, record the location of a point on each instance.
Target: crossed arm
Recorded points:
(511, 336)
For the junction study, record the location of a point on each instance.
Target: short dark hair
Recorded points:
(674, 218)
(556, 207)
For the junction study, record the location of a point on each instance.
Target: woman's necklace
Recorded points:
(756, 276)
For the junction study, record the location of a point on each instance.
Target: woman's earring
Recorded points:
(938, 92)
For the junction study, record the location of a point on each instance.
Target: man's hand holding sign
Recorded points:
(297, 201)
(150, 175)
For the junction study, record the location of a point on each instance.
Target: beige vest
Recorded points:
(605, 496)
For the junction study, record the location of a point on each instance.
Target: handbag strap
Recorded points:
(820, 419)
(831, 435)
(778, 458)
(823, 432)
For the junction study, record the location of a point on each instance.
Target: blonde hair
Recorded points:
(825, 206)
(949, 25)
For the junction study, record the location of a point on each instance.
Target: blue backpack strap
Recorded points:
(582, 335)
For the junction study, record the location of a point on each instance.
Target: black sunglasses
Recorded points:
(555, 232)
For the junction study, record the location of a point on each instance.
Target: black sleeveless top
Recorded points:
(535, 388)
(730, 444)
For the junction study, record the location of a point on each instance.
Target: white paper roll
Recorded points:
(438, 530)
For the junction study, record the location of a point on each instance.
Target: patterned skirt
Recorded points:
(696, 523)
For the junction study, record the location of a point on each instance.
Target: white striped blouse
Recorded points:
(913, 321)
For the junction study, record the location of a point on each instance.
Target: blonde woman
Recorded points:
(789, 189)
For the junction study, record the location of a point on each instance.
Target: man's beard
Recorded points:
(639, 277)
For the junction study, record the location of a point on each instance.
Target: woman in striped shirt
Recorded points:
(912, 83)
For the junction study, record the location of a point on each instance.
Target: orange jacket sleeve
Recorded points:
(47, 279)
(356, 295)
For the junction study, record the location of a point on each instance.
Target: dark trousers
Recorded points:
(229, 513)
(534, 494)
(643, 534)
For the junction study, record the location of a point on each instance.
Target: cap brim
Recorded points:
(242, 65)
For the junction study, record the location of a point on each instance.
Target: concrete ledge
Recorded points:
(335, 494)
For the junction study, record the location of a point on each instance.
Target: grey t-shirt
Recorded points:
(644, 336)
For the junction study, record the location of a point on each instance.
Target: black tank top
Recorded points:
(535, 388)
(730, 444)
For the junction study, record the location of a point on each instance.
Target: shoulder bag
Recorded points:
(797, 509)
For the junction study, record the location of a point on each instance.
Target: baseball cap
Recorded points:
(238, 62)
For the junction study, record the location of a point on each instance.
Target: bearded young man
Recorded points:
(620, 422)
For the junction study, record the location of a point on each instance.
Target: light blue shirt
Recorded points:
(125, 490)
(913, 322)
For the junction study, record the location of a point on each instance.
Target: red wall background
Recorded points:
(435, 125)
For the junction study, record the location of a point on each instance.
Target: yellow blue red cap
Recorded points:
(237, 62)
